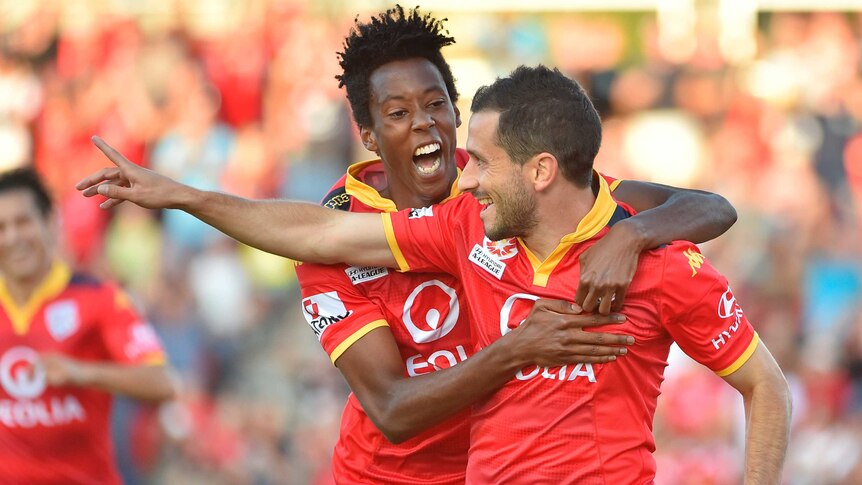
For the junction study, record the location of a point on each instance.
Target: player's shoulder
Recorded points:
(337, 197)
(86, 281)
(685, 268)
(98, 291)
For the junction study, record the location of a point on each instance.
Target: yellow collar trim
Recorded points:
(369, 196)
(54, 283)
(595, 220)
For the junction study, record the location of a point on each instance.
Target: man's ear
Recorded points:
(543, 169)
(457, 117)
(368, 139)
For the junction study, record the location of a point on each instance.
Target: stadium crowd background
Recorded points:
(764, 108)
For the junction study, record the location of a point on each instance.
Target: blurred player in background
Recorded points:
(67, 342)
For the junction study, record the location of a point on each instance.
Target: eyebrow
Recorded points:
(402, 98)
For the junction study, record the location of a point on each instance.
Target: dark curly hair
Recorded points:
(393, 35)
(27, 179)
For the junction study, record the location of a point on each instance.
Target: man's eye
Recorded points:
(397, 114)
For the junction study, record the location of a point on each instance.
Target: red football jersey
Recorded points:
(581, 423)
(427, 316)
(61, 434)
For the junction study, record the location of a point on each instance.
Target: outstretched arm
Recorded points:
(138, 381)
(664, 214)
(767, 414)
(402, 407)
(296, 230)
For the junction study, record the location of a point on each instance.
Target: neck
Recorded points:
(22, 288)
(406, 197)
(559, 210)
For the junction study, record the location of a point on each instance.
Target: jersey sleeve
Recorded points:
(701, 313)
(129, 338)
(338, 313)
(422, 240)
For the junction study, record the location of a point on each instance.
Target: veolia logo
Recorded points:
(20, 374)
(432, 328)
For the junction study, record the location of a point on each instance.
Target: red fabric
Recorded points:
(61, 435)
(337, 307)
(581, 423)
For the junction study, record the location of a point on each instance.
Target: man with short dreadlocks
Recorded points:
(402, 340)
(396, 336)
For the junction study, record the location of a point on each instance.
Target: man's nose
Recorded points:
(423, 121)
(468, 182)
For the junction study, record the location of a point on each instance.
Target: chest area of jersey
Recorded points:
(60, 324)
(422, 309)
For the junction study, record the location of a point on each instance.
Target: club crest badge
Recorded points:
(503, 249)
(62, 319)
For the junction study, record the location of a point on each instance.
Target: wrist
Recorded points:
(81, 374)
(637, 234)
(512, 354)
(186, 198)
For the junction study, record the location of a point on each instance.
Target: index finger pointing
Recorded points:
(113, 155)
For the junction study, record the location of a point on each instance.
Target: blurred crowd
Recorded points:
(240, 97)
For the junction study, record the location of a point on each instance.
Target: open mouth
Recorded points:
(427, 158)
(485, 201)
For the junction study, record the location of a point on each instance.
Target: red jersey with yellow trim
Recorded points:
(427, 316)
(52, 435)
(582, 423)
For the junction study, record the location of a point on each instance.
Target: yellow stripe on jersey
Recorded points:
(595, 220)
(749, 351)
(355, 337)
(616, 183)
(366, 194)
(21, 317)
(393, 243)
(453, 191)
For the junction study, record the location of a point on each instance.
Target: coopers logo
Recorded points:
(322, 310)
(23, 379)
(431, 311)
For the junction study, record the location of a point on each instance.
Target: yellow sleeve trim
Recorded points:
(356, 336)
(616, 183)
(749, 351)
(393, 243)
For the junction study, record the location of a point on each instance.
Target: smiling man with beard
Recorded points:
(395, 336)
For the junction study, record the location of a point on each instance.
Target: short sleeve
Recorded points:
(129, 338)
(338, 313)
(423, 239)
(702, 314)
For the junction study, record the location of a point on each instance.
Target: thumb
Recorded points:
(113, 155)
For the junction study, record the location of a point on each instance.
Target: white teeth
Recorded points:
(425, 150)
(430, 169)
